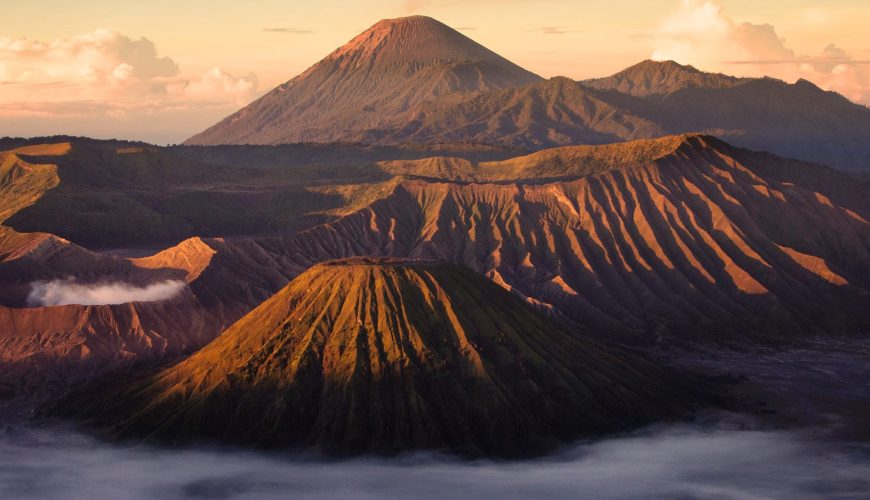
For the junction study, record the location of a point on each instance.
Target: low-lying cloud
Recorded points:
(671, 463)
(61, 292)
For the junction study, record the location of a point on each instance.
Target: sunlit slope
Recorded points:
(21, 182)
(367, 355)
(706, 239)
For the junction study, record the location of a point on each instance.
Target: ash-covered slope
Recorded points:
(370, 355)
(46, 350)
(679, 238)
(392, 66)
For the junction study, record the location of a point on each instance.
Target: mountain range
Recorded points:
(416, 80)
(682, 240)
(486, 262)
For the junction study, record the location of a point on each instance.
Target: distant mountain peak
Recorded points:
(666, 65)
(385, 70)
(649, 77)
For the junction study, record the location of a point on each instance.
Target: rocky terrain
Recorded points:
(681, 241)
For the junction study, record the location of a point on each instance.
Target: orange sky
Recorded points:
(164, 69)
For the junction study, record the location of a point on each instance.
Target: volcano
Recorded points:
(384, 71)
(384, 355)
(414, 80)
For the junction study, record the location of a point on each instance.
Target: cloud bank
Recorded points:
(105, 76)
(699, 32)
(61, 292)
(671, 463)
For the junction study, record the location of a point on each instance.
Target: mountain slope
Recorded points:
(656, 78)
(648, 100)
(552, 112)
(367, 355)
(118, 195)
(22, 183)
(681, 238)
(386, 70)
(796, 120)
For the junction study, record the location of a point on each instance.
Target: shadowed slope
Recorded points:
(797, 120)
(115, 196)
(381, 356)
(649, 100)
(549, 113)
(657, 78)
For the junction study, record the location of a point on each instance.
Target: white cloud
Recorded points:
(61, 292)
(122, 72)
(678, 462)
(216, 82)
(699, 32)
(105, 75)
(89, 57)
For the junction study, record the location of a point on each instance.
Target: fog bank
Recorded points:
(60, 292)
(674, 463)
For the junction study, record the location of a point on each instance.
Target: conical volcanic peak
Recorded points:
(367, 355)
(415, 40)
(369, 82)
(650, 78)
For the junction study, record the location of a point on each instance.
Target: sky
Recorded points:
(163, 70)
